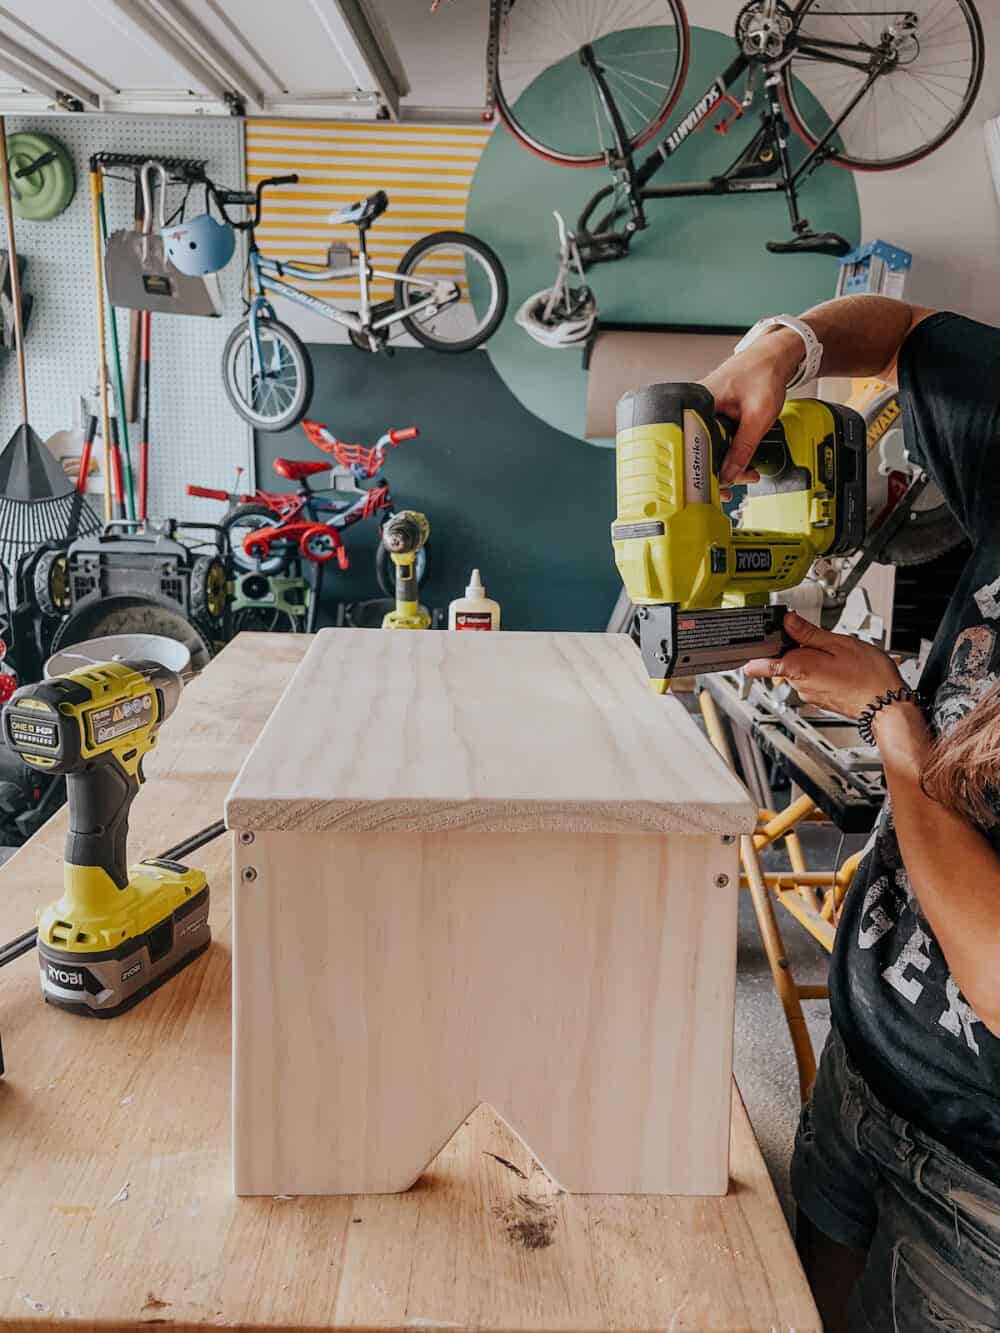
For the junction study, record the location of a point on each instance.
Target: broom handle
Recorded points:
(15, 277)
(96, 189)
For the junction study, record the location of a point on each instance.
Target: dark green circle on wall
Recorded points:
(700, 261)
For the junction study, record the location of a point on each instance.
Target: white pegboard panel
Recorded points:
(194, 433)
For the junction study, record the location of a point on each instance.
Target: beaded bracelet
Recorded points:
(867, 715)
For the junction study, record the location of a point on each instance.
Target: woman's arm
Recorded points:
(861, 335)
(952, 868)
(954, 871)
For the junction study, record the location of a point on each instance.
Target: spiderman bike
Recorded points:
(267, 530)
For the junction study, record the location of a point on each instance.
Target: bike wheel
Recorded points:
(244, 520)
(264, 620)
(276, 397)
(932, 53)
(642, 46)
(479, 284)
(385, 570)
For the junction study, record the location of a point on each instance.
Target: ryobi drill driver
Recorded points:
(700, 582)
(115, 934)
(403, 536)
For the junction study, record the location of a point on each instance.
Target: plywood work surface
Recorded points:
(116, 1206)
(483, 732)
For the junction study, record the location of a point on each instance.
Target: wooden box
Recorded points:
(482, 868)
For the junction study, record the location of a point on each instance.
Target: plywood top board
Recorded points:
(424, 732)
(116, 1203)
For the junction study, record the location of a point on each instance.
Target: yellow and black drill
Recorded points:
(115, 934)
(701, 582)
(403, 536)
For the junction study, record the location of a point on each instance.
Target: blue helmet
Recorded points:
(203, 245)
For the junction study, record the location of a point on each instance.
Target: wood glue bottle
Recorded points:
(475, 610)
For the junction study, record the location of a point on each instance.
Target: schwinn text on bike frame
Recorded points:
(695, 116)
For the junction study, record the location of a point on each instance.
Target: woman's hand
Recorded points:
(833, 671)
(750, 388)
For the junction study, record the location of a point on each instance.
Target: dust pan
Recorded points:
(38, 502)
(141, 277)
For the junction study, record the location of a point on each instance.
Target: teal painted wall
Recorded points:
(701, 261)
(502, 490)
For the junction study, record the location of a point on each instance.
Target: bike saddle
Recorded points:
(812, 243)
(363, 212)
(296, 469)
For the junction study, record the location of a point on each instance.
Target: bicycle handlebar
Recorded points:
(407, 433)
(246, 199)
(207, 493)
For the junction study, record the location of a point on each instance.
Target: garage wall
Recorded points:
(195, 434)
(527, 504)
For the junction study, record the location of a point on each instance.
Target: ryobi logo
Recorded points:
(131, 971)
(63, 976)
(753, 560)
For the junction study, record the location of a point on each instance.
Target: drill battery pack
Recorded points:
(103, 982)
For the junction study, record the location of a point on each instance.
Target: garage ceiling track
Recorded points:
(315, 58)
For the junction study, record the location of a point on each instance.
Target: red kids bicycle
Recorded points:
(267, 530)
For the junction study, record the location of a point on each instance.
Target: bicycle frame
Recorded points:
(763, 166)
(267, 276)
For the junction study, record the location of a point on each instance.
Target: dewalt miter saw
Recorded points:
(116, 933)
(701, 581)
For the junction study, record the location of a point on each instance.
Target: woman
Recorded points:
(896, 1169)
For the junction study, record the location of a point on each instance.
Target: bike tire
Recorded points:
(385, 570)
(288, 408)
(276, 563)
(265, 620)
(497, 304)
(797, 72)
(519, 52)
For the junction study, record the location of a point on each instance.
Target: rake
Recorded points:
(38, 502)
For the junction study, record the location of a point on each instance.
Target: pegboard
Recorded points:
(195, 436)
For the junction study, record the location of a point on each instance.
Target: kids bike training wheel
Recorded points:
(931, 54)
(275, 395)
(477, 292)
(641, 47)
(239, 524)
(385, 570)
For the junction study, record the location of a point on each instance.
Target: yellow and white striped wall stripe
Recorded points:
(425, 170)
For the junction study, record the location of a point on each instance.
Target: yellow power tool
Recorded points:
(115, 934)
(700, 580)
(403, 536)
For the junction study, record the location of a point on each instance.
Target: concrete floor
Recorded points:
(764, 1063)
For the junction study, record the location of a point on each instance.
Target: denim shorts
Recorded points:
(930, 1224)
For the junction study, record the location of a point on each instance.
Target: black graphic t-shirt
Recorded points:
(903, 1018)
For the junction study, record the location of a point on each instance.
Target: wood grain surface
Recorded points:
(487, 732)
(581, 984)
(116, 1207)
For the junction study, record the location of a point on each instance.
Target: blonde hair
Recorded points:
(963, 771)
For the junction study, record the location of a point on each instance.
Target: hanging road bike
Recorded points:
(868, 85)
(450, 295)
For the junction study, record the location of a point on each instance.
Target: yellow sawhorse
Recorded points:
(812, 897)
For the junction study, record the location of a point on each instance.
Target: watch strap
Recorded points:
(810, 365)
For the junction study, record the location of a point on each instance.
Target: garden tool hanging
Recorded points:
(38, 502)
(141, 277)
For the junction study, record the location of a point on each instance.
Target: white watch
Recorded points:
(813, 359)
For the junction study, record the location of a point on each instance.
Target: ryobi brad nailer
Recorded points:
(115, 934)
(701, 582)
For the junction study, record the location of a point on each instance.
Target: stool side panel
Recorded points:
(383, 988)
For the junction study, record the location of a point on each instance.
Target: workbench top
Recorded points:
(116, 1205)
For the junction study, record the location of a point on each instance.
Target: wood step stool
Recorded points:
(482, 868)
